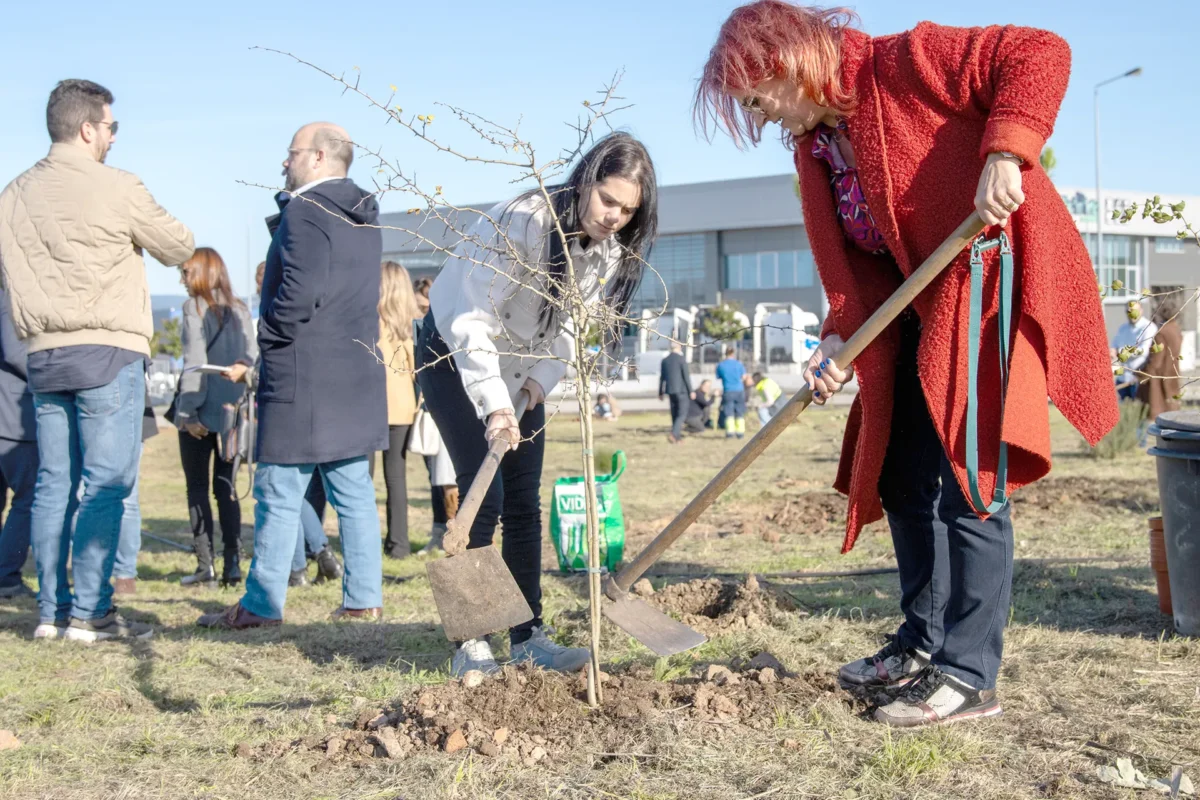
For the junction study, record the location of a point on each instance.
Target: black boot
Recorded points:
(204, 563)
(298, 577)
(328, 566)
(231, 570)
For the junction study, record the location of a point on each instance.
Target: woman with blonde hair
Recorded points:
(216, 330)
(397, 308)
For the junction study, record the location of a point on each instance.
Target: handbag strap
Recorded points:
(1004, 318)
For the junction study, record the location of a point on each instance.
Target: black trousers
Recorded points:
(395, 463)
(204, 470)
(680, 405)
(513, 497)
(955, 569)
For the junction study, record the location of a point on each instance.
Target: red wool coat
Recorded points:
(932, 103)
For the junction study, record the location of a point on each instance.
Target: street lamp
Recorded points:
(1099, 199)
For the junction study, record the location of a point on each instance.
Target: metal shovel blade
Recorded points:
(651, 627)
(476, 594)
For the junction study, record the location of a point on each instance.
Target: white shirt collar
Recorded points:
(311, 184)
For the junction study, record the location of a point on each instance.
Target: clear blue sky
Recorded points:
(200, 111)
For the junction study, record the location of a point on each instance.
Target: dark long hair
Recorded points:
(617, 155)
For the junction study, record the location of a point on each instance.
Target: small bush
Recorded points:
(1126, 435)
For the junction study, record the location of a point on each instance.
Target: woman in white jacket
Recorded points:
(493, 331)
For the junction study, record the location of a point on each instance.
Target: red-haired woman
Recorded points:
(897, 139)
(216, 330)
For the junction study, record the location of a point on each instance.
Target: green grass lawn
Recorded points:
(1092, 670)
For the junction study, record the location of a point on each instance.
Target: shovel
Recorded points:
(655, 629)
(473, 589)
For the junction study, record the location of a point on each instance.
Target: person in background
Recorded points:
(442, 496)
(312, 543)
(216, 331)
(700, 410)
(129, 540)
(322, 395)
(603, 408)
(733, 394)
(72, 233)
(770, 397)
(1160, 385)
(675, 382)
(18, 455)
(1132, 340)
(397, 308)
(257, 299)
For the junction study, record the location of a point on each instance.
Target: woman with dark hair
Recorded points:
(1160, 385)
(216, 330)
(897, 139)
(494, 330)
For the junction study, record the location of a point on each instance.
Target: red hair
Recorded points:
(207, 278)
(768, 39)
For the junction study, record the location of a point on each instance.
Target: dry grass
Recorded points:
(1092, 670)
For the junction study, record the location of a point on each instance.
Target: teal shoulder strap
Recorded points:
(1004, 317)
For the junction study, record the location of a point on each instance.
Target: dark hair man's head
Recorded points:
(729, 351)
(80, 113)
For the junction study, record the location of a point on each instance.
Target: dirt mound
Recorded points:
(528, 715)
(810, 512)
(712, 605)
(1052, 494)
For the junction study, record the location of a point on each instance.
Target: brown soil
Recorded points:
(712, 605)
(529, 715)
(1052, 494)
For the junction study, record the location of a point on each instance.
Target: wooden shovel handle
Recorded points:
(884, 316)
(459, 528)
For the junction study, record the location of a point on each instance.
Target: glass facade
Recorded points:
(786, 269)
(1124, 261)
(675, 278)
(1168, 244)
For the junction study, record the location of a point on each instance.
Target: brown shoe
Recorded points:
(235, 618)
(124, 585)
(372, 614)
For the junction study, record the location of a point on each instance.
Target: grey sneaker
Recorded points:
(51, 630)
(434, 545)
(893, 666)
(474, 656)
(542, 651)
(936, 698)
(111, 626)
(17, 590)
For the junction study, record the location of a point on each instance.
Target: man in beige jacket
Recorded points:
(72, 232)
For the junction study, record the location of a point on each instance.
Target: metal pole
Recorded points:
(1099, 197)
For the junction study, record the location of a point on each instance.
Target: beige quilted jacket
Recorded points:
(71, 237)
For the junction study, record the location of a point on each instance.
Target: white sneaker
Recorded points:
(474, 655)
(50, 630)
(542, 651)
(434, 545)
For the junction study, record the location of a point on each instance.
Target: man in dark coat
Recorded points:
(18, 454)
(322, 400)
(675, 382)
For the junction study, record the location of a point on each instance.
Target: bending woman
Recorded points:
(492, 332)
(964, 114)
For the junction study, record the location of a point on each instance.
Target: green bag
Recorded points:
(568, 520)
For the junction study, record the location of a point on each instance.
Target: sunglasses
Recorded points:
(751, 105)
(111, 125)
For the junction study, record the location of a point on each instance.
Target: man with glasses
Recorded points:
(72, 232)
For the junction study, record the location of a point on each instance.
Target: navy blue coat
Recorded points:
(17, 420)
(673, 376)
(322, 394)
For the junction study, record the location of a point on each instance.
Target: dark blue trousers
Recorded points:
(955, 569)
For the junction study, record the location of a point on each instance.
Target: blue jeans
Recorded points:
(279, 495)
(312, 538)
(129, 541)
(18, 465)
(93, 436)
(955, 568)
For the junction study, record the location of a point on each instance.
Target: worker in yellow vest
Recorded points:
(769, 395)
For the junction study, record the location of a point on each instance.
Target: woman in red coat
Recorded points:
(897, 139)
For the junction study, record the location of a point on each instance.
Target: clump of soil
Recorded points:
(529, 715)
(1051, 494)
(712, 605)
(810, 512)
